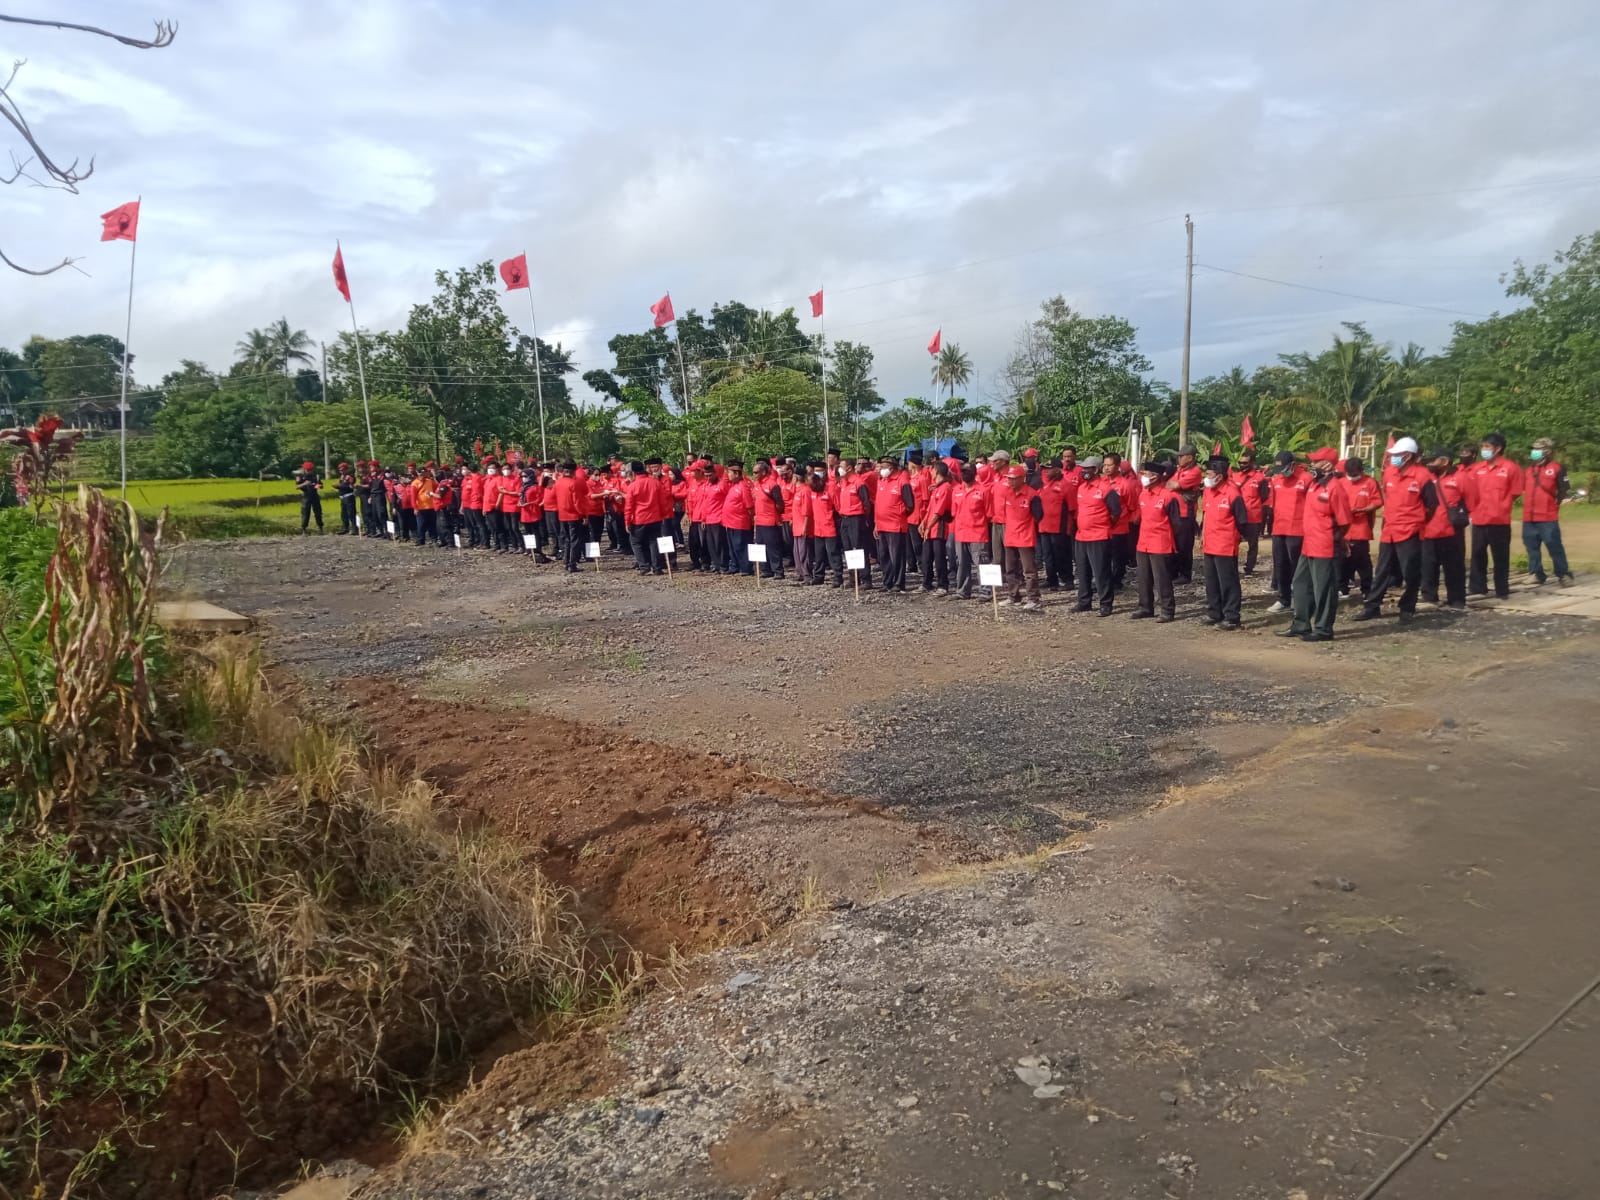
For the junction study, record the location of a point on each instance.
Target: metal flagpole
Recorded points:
(827, 440)
(127, 336)
(538, 382)
(361, 374)
(683, 373)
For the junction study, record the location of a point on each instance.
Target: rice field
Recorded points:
(224, 508)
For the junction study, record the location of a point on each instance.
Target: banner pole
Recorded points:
(361, 374)
(538, 373)
(127, 336)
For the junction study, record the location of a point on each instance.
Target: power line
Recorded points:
(1306, 287)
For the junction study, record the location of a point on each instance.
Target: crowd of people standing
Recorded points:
(1082, 525)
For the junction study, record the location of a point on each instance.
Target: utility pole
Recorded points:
(1188, 323)
(326, 460)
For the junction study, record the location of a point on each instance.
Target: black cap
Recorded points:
(1285, 457)
(1216, 463)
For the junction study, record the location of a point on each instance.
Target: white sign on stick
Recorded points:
(991, 575)
(529, 541)
(591, 549)
(391, 528)
(855, 560)
(758, 553)
(665, 545)
(458, 541)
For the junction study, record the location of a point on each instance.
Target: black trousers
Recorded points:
(716, 546)
(1183, 532)
(1357, 566)
(1122, 553)
(1054, 561)
(825, 555)
(913, 549)
(854, 535)
(935, 566)
(1223, 596)
(1447, 556)
(1153, 580)
(1315, 588)
(347, 513)
(1094, 574)
(572, 539)
(310, 506)
(1398, 562)
(617, 534)
(969, 557)
(698, 558)
(552, 529)
(379, 525)
(406, 525)
(1250, 531)
(1285, 557)
(771, 536)
(646, 554)
(1487, 539)
(892, 555)
(427, 526)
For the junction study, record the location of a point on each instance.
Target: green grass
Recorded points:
(223, 508)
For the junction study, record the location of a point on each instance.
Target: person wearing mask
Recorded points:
(1444, 537)
(1186, 482)
(969, 504)
(1325, 520)
(892, 505)
(489, 506)
(406, 499)
(310, 489)
(569, 512)
(1409, 501)
(921, 484)
(1222, 517)
(1053, 554)
(714, 495)
(1365, 499)
(552, 518)
(530, 515)
(639, 517)
(797, 508)
(471, 514)
(510, 514)
(1252, 483)
(378, 503)
(826, 551)
(1022, 512)
(999, 464)
(424, 491)
(347, 500)
(693, 507)
(1544, 487)
(852, 497)
(1099, 506)
(1122, 535)
(767, 494)
(1159, 513)
(738, 519)
(1288, 494)
(1492, 487)
(937, 509)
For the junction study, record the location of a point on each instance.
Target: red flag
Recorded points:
(515, 272)
(816, 303)
(1216, 449)
(1247, 433)
(1390, 445)
(121, 223)
(661, 310)
(933, 346)
(340, 279)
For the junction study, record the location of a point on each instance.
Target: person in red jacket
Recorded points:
(768, 511)
(552, 519)
(531, 515)
(1366, 498)
(1492, 487)
(1288, 494)
(937, 509)
(892, 505)
(639, 518)
(1444, 544)
(1159, 513)
(471, 514)
(1055, 558)
(969, 505)
(1122, 531)
(1326, 519)
(1252, 483)
(1099, 506)
(511, 510)
(797, 518)
(921, 481)
(569, 498)
(1187, 482)
(738, 519)
(1544, 487)
(489, 506)
(693, 505)
(1409, 501)
(713, 497)
(1222, 519)
(823, 502)
(855, 533)
(1021, 512)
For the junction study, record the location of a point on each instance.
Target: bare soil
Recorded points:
(1257, 909)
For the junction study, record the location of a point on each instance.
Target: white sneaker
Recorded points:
(1033, 606)
(1278, 606)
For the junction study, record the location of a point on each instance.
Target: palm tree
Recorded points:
(255, 350)
(954, 369)
(1357, 381)
(288, 346)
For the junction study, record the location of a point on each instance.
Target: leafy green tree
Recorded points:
(228, 430)
(1065, 358)
(402, 431)
(1357, 381)
(81, 376)
(850, 381)
(760, 413)
(19, 386)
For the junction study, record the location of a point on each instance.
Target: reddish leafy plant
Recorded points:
(41, 453)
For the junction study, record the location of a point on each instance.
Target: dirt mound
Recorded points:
(672, 851)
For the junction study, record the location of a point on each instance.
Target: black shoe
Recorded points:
(1229, 626)
(1457, 607)
(1289, 633)
(1075, 607)
(1105, 612)
(1407, 617)
(1140, 616)
(1319, 637)
(1366, 614)
(1211, 620)
(1165, 619)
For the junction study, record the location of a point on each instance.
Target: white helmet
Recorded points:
(1405, 446)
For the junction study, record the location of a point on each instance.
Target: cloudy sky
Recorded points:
(932, 164)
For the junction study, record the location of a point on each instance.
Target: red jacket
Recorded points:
(713, 495)
(1450, 494)
(738, 505)
(569, 498)
(1406, 492)
(1491, 489)
(1053, 496)
(1018, 518)
(1158, 509)
(639, 501)
(893, 503)
(1222, 512)
(824, 507)
(1253, 491)
(797, 509)
(510, 494)
(1361, 491)
(489, 493)
(921, 487)
(1289, 502)
(1095, 519)
(471, 489)
(970, 503)
(1128, 489)
(666, 496)
(532, 503)
(1541, 491)
(1327, 515)
(940, 506)
(766, 508)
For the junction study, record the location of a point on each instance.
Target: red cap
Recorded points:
(308, 466)
(1030, 452)
(1326, 454)
(1016, 472)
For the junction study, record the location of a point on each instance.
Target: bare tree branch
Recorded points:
(65, 262)
(165, 31)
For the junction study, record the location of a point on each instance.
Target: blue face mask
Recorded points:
(1486, 454)
(1397, 460)
(1536, 455)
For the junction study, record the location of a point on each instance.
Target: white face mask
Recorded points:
(1147, 480)
(491, 472)
(883, 472)
(1212, 481)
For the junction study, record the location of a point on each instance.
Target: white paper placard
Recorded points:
(757, 553)
(991, 575)
(591, 549)
(458, 541)
(529, 541)
(391, 528)
(855, 560)
(665, 545)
